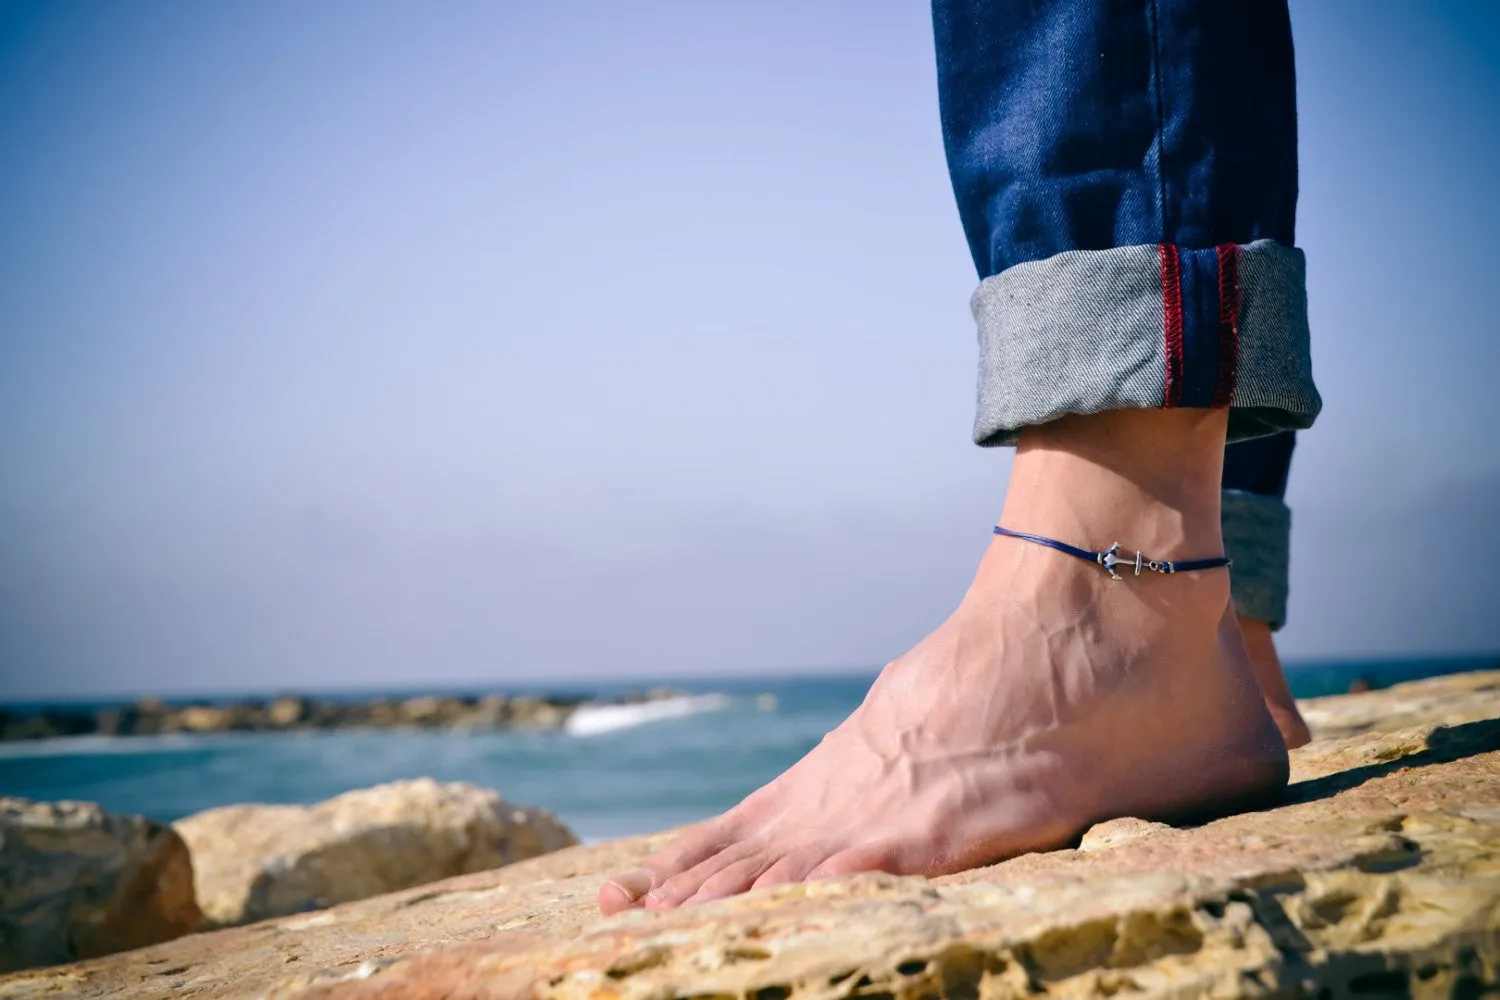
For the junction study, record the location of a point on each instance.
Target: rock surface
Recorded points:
(1439, 700)
(252, 862)
(77, 882)
(1378, 876)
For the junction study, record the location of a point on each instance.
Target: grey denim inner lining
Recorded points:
(1257, 536)
(1081, 332)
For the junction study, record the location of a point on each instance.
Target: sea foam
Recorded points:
(589, 720)
(94, 744)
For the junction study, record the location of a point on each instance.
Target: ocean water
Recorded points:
(616, 772)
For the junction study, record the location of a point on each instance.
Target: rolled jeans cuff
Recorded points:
(1257, 537)
(1135, 327)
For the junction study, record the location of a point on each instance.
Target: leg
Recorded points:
(1109, 160)
(1257, 535)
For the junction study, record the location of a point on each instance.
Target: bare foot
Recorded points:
(1053, 698)
(1272, 680)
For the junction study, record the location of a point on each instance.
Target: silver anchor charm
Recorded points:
(1110, 558)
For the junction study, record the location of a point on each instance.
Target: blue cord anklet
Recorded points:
(1110, 557)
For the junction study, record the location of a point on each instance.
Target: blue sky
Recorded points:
(369, 344)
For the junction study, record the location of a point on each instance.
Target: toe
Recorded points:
(732, 880)
(866, 858)
(624, 891)
(692, 848)
(794, 867)
(676, 890)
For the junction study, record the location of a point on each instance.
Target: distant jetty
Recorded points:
(293, 712)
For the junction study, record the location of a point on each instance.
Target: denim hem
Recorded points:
(1146, 326)
(1257, 536)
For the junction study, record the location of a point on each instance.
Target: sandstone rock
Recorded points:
(535, 713)
(287, 711)
(426, 710)
(384, 712)
(204, 719)
(44, 725)
(491, 712)
(257, 861)
(77, 882)
(1454, 698)
(1379, 876)
(119, 721)
(146, 717)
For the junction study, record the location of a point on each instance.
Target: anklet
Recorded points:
(1110, 557)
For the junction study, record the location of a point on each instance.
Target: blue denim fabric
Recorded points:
(1092, 124)
(1101, 124)
(1261, 465)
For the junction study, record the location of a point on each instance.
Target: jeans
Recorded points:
(1126, 175)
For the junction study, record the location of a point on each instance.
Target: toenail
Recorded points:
(633, 884)
(667, 897)
(612, 899)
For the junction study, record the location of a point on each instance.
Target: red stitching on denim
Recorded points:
(1229, 322)
(1171, 311)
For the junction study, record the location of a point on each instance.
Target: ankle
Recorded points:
(1146, 478)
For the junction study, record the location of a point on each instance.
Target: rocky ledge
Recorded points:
(153, 717)
(1379, 875)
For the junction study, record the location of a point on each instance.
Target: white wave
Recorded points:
(69, 746)
(589, 720)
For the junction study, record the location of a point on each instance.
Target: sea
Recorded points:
(613, 772)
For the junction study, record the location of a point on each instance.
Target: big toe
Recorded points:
(624, 891)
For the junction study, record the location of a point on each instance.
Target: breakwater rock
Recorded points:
(1377, 876)
(76, 882)
(251, 862)
(151, 717)
(79, 882)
